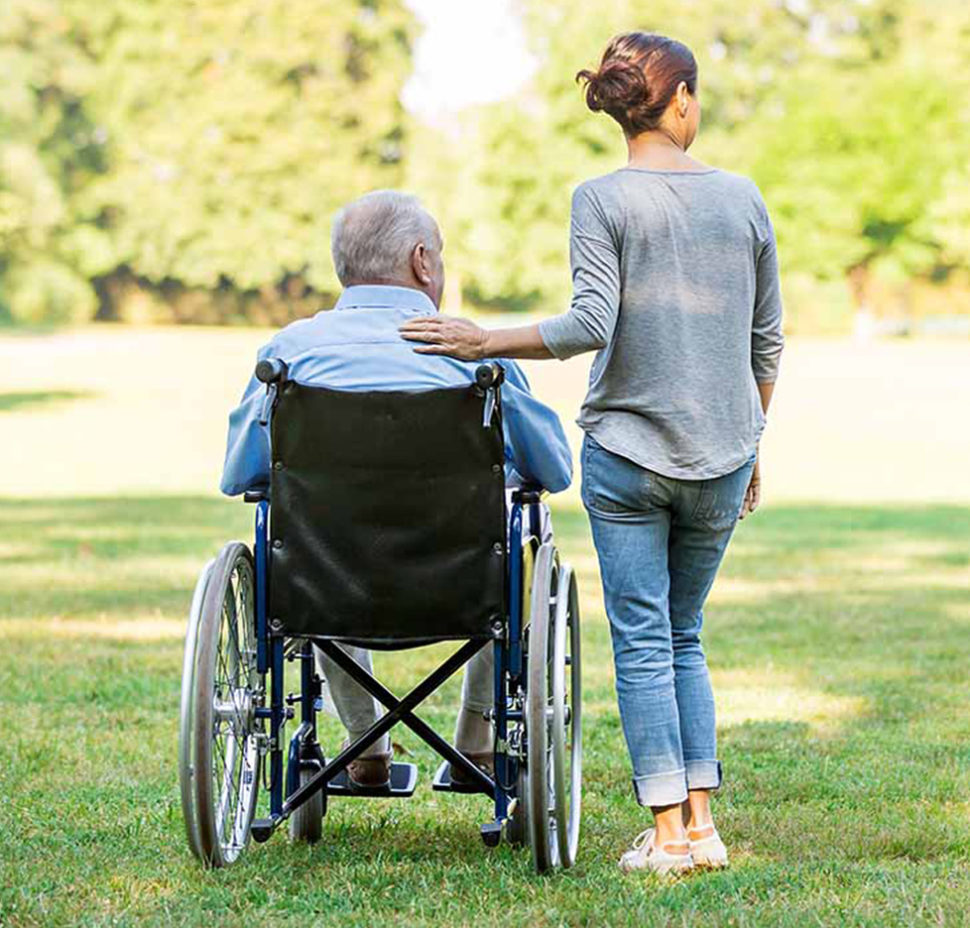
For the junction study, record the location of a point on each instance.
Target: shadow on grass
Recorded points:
(30, 400)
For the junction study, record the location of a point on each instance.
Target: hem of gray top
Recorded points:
(664, 468)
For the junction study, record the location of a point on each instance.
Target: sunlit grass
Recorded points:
(837, 635)
(838, 642)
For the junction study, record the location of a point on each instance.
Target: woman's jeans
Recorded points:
(660, 541)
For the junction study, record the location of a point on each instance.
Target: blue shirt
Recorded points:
(356, 346)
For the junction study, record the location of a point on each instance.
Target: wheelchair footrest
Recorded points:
(404, 780)
(261, 829)
(442, 782)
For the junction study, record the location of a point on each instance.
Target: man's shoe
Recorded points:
(485, 761)
(372, 772)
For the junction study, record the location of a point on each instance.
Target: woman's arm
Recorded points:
(589, 324)
(752, 496)
(767, 343)
(461, 338)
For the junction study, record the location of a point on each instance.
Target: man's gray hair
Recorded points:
(373, 237)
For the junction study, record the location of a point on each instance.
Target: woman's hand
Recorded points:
(458, 338)
(752, 496)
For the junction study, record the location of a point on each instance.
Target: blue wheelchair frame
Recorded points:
(286, 794)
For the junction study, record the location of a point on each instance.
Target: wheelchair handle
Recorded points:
(489, 375)
(271, 370)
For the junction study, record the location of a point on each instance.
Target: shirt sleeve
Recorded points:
(248, 445)
(535, 443)
(595, 261)
(767, 340)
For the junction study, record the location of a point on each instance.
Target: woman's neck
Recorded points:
(655, 150)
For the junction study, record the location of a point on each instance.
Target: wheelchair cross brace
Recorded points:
(399, 710)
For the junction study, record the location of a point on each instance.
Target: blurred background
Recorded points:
(180, 161)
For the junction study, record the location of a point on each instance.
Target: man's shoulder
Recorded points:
(294, 336)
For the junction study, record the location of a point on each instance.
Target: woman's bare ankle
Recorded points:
(698, 813)
(671, 834)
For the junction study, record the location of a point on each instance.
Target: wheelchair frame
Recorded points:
(537, 702)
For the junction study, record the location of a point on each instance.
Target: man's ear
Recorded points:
(420, 266)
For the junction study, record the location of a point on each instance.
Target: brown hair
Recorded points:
(637, 78)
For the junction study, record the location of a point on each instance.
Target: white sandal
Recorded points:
(708, 852)
(646, 854)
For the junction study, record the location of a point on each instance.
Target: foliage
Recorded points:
(181, 161)
(201, 144)
(48, 151)
(852, 116)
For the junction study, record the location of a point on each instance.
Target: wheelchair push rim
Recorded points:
(221, 721)
(567, 729)
(539, 793)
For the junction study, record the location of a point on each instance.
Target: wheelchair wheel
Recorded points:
(186, 758)
(538, 793)
(567, 730)
(224, 688)
(306, 822)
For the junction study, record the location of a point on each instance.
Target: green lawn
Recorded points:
(838, 640)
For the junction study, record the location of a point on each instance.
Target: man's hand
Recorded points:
(457, 338)
(752, 496)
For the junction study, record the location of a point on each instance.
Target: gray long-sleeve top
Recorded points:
(675, 285)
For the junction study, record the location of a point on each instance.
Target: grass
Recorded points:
(838, 642)
(837, 635)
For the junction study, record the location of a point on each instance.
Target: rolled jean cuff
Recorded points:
(703, 774)
(661, 789)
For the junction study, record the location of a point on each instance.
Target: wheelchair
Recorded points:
(387, 525)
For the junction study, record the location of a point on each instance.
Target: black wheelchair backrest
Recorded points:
(387, 518)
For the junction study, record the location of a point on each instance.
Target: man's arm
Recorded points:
(534, 439)
(248, 445)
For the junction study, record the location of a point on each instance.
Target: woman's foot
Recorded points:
(646, 854)
(706, 847)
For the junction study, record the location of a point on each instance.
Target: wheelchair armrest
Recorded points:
(256, 496)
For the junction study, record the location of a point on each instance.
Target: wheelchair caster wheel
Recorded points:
(306, 822)
(261, 829)
(492, 833)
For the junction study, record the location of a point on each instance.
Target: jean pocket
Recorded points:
(611, 484)
(720, 500)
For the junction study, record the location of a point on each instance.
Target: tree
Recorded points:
(226, 133)
(851, 116)
(48, 150)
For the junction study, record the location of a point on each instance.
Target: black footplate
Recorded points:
(404, 780)
(261, 829)
(442, 782)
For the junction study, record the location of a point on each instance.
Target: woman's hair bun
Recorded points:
(637, 78)
(617, 85)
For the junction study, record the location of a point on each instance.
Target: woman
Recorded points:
(676, 287)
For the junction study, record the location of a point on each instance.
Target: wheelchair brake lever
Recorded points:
(267, 404)
(489, 408)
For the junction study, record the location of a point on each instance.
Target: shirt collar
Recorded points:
(373, 296)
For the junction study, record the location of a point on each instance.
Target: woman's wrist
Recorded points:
(517, 342)
(484, 345)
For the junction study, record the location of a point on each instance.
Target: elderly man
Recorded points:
(387, 252)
